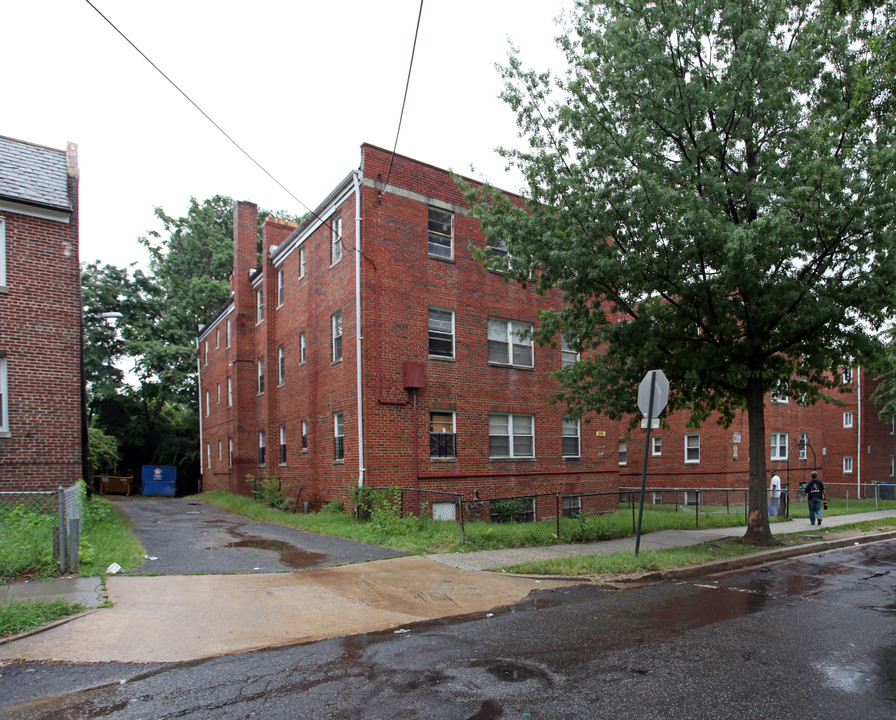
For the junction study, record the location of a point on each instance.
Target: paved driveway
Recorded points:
(185, 536)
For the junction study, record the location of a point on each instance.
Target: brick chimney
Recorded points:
(273, 232)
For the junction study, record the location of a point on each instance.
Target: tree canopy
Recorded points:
(711, 186)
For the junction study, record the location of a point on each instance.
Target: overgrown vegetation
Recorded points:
(22, 616)
(270, 491)
(26, 540)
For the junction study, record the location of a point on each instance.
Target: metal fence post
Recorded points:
(460, 508)
(558, 516)
(61, 534)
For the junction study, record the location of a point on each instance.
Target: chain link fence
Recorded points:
(39, 531)
(547, 518)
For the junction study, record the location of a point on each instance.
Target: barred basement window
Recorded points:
(442, 434)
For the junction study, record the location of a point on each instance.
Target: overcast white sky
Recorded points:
(299, 84)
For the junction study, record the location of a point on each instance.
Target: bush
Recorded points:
(270, 491)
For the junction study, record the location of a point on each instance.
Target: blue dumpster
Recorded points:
(159, 480)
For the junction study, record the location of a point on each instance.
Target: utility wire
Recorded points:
(404, 101)
(206, 115)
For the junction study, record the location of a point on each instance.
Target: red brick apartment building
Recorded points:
(40, 317)
(445, 395)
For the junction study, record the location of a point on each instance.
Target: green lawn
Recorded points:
(22, 616)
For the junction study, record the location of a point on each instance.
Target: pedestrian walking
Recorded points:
(774, 496)
(815, 496)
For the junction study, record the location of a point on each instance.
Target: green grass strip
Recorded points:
(22, 616)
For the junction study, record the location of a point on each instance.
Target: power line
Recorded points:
(404, 101)
(205, 114)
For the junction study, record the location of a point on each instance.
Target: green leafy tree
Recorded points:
(711, 187)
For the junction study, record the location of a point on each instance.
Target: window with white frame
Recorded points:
(780, 394)
(281, 364)
(496, 247)
(218, 392)
(4, 397)
(892, 465)
(779, 446)
(509, 342)
(230, 452)
(335, 239)
(441, 332)
(304, 435)
(217, 338)
(692, 448)
(847, 375)
(259, 306)
(892, 424)
(302, 262)
(208, 455)
(260, 375)
(847, 464)
(441, 233)
(571, 439)
(568, 356)
(336, 332)
(442, 434)
(656, 442)
(283, 445)
(229, 392)
(281, 288)
(804, 446)
(206, 352)
(208, 404)
(302, 347)
(847, 419)
(2, 252)
(228, 332)
(261, 448)
(623, 451)
(219, 450)
(338, 437)
(511, 436)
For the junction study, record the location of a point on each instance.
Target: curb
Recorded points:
(50, 626)
(760, 558)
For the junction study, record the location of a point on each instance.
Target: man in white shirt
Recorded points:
(774, 495)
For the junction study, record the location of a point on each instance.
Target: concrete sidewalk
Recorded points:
(495, 559)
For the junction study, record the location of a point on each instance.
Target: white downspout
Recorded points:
(356, 178)
(859, 431)
(199, 383)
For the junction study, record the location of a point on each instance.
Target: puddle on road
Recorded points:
(290, 555)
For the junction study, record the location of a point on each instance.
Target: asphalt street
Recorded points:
(806, 638)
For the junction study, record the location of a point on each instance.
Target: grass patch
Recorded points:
(841, 506)
(26, 540)
(22, 616)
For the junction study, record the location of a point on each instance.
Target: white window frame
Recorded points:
(218, 393)
(217, 337)
(440, 331)
(262, 449)
(281, 364)
(571, 429)
(208, 455)
(779, 445)
(219, 451)
(690, 449)
(501, 336)
(780, 397)
(568, 356)
(281, 288)
(283, 444)
(208, 404)
(336, 335)
(338, 432)
(804, 446)
(656, 442)
(260, 386)
(336, 247)
(304, 436)
(436, 236)
(496, 247)
(230, 452)
(301, 262)
(848, 419)
(847, 375)
(510, 422)
(259, 306)
(4, 397)
(847, 464)
(453, 432)
(228, 332)
(623, 451)
(229, 391)
(892, 465)
(302, 348)
(206, 352)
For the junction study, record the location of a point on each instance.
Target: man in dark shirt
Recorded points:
(815, 497)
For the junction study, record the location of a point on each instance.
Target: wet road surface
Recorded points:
(182, 536)
(812, 637)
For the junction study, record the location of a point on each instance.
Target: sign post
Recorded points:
(653, 395)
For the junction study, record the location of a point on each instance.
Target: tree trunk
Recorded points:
(758, 530)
